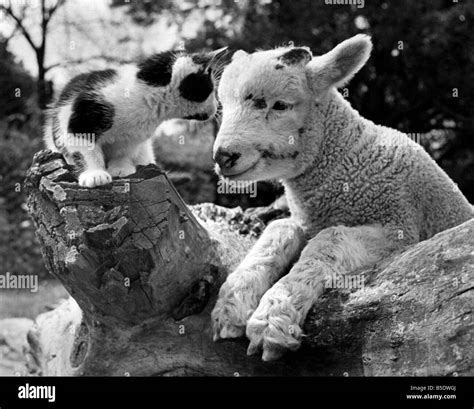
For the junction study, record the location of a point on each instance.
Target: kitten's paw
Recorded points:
(121, 170)
(229, 315)
(274, 326)
(94, 177)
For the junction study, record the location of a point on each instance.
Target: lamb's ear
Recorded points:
(339, 65)
(238, 54)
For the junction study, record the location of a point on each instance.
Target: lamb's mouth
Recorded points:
(237, 175)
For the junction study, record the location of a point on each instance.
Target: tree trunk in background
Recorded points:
(144, 270)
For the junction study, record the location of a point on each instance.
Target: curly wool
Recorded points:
(361, 173)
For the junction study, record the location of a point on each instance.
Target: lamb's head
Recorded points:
(182, 84)
(267, 99)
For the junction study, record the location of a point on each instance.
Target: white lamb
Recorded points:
(357, 191)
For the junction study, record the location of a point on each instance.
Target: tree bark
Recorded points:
(143, 270)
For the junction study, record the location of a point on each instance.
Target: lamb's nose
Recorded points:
(226, 160)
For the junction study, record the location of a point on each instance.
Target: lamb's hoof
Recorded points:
(228, 319)
(270, 352)
(274, 332)
(228, 332)
(94, 177)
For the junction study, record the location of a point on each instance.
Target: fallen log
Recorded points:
(143, 270)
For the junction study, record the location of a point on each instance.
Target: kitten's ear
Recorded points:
(338, 66)
(216, 54)
(238, 54)
(211, 58)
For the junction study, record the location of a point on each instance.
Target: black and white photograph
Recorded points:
(236, 203)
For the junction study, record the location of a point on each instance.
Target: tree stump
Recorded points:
(143, 270)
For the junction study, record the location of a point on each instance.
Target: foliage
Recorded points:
(16, 86)
(20, 138)
(419, 79)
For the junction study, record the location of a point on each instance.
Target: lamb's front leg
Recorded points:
(275, 251)
(276, 324)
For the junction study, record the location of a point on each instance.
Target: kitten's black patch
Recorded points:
(249, 96)
(157, 69)
(196, 87)
(91, 115)
(90, 81)
(197, 117)
(259, 103)
(295, 56)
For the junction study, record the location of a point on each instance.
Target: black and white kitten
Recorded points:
(103, 121)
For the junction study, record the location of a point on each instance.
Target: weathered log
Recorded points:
(143, 270)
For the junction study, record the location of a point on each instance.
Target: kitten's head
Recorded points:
(187, 82)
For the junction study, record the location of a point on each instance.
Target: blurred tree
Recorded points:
(16, 12)
(419, 79)
(20, 138)
(17, 87)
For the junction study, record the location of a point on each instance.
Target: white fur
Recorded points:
(338, 169)
(255, 275)
(139, 109)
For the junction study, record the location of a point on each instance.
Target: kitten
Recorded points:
(103, 121)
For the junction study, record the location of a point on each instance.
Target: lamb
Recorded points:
(357, 191)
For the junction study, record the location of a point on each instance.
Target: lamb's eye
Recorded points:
(280, 106)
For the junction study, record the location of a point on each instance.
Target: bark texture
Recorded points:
(143, 270)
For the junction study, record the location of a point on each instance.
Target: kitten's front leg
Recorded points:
(144, 154)
(272, 255)
(121, 167)
(125, 164)
(90, 162)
